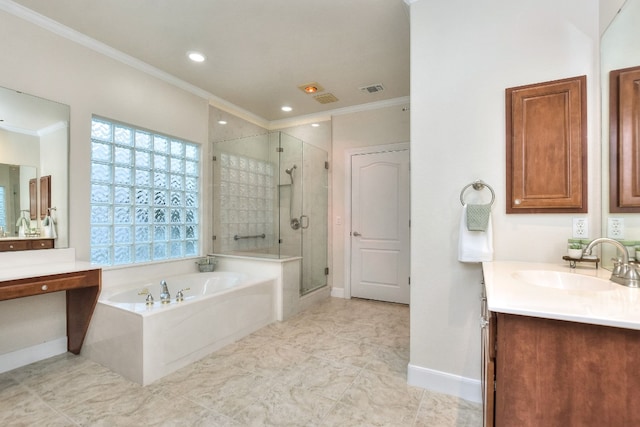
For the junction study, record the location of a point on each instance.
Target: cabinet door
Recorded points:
(547, 147)
(33, 199)
(624, 140)
(45, 195)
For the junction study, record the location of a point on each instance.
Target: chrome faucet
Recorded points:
(623, 273)
(165, 297)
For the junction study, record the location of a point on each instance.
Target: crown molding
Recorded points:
(327, 115)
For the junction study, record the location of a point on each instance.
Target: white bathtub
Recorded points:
(146, 342)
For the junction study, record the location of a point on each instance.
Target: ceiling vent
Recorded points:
(325, 98)
(372, 88)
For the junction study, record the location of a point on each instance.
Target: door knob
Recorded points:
(356, 234)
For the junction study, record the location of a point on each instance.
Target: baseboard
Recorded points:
(28, 355)
(443, 382)
(337, 292)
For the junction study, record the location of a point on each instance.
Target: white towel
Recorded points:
(474, 246)
(49, 227)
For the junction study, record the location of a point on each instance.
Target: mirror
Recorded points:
(34, 144)
(620, 48)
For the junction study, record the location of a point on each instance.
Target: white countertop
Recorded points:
(44, 262)
(614, 305)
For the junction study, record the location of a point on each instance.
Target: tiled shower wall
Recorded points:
(246, 203)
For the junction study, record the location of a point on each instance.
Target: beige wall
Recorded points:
(464, 54)
(41, 63)
(356, 130)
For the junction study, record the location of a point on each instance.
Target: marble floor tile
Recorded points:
(388, 396)
(338, 363)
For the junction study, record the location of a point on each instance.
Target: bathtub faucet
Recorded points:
(165, 297)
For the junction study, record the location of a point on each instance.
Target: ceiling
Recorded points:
(258, 51)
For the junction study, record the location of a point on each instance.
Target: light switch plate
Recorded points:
(615, 228)
(580, 228)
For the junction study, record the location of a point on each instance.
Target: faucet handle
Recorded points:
(149, 299)
(180, 295)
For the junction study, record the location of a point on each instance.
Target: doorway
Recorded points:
(379, 237)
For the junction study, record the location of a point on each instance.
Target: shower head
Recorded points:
(290, 170)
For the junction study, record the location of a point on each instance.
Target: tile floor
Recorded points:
(339, 363)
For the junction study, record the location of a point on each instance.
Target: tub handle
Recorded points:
(180, 295)
(149, 299)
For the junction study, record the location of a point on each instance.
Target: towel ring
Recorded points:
(477, 185)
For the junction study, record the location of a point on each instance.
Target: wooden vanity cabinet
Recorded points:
(25, 244)
(558, 373)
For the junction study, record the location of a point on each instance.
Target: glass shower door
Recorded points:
(314, 219)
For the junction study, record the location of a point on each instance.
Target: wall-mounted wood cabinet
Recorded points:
(624, 140)
(45, 195)
(547, 147)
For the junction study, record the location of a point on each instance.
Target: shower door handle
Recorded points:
(302, 223)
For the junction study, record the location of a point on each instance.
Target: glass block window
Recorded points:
(144, 195)
(3, 210)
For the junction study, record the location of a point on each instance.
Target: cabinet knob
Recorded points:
(44, 287)
(10, 246)
(41, 244)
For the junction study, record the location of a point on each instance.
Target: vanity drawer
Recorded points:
(14, 245)
(25, 244)
(41, 244)
(36, 286)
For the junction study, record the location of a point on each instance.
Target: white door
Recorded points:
(380, 226)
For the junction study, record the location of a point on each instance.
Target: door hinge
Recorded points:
(213, 237)
(326, 271)
(279, 150)
(409, 223)
(326, 165)
(279, 240)
(409, 280)
(215, 158)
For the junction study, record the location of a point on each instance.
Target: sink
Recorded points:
(562, 280)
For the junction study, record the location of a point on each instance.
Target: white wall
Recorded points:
(41, 63)
(463, 55)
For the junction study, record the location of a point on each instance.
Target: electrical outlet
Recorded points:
(615, 228)
(580, 228)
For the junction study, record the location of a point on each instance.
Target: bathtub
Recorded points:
(144, 342)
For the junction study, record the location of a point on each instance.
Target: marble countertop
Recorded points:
(612, 305)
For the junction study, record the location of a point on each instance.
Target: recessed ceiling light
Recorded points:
(315, 125)
(196, 56)
(222, 122)
(286, 109)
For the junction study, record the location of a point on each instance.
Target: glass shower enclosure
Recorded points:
(270, 199)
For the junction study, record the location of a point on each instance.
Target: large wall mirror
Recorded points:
(34, 153)
(620, 48)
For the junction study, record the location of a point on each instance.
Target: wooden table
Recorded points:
(82, 288)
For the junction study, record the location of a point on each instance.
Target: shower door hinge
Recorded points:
(215, 158)
(213, 237)
(279, 240)
(326, 271)
(326, 165)
(409, 280)
(279, 150)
